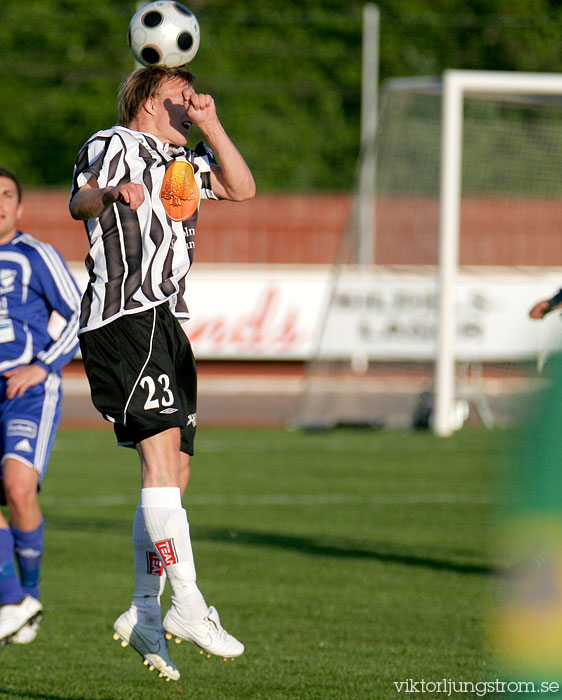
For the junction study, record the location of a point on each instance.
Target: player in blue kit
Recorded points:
(34, 282)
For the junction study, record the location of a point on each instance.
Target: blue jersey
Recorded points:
(35, 282)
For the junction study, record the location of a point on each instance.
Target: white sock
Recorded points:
(168, 529)
(149, 572)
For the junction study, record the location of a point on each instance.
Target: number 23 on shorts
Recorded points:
(158, 394)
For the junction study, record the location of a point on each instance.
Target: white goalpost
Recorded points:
(431, 327)
(456, 85)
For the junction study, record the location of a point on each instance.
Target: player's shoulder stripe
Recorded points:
(100, 137)
(34, 243)
(128, 137)
(103, 134)
(27, 243)
(99, 143)
(56, 267)
(19, 237)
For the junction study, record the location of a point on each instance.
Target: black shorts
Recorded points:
(142, 376)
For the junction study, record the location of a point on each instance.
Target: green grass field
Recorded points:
(346, 561)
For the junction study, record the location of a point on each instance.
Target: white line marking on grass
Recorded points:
(281, 442)
(335, 498)
(89, 501)
(274, 445)
(287, 500)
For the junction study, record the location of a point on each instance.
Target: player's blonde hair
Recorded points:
(143, 83)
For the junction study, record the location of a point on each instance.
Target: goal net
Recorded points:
(442, 310)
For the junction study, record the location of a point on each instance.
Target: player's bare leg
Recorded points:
(190, 617)
(185, 472)
(163, 470)
(141, 625)
(145, 611)
(23, 536)
(20, 487)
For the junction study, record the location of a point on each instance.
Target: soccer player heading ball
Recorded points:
(138, 188)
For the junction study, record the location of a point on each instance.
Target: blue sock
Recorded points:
(11, 590)
(28, 547)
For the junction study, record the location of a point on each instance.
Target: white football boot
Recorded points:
(208, 634)
(148, 641)
(14, 617)
(27, 633)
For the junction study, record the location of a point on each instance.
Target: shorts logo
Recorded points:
(167, 411)
(192, 420)
(23, 428)
(167, 551)
(154, 566)
(23, 446)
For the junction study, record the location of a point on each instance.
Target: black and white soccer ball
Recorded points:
(164, 32)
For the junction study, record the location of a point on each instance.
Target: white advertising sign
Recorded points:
(254, 312)
(276, 312)
(387, 315)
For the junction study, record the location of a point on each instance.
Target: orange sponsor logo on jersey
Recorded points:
(180, 192)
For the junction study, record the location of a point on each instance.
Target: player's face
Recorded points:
(170, 116)
(10, 209)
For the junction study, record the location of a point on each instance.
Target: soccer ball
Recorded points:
(164, 32)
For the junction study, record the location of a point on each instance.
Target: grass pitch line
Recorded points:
(280, 443)
(287, 499)
(339, 498)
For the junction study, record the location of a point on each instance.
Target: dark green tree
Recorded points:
(286, 76)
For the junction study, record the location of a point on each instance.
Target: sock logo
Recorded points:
(28, 553)
(167, 551)
(154, 566)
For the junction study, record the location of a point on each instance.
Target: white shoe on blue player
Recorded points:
(27, 633)
(208, 634)
(15, 616)
(148, 641)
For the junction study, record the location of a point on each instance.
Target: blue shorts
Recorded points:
(28, 424)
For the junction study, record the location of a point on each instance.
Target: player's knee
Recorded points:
(20, 492)
(19, 497)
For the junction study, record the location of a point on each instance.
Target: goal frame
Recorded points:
(456, 84)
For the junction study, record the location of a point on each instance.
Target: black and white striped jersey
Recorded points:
(139, 259)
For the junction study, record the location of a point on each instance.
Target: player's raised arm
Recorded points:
(233, 179)
(90, 200)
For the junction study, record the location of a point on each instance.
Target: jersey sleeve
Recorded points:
(204, 158)
(103, 157)
(61, 295)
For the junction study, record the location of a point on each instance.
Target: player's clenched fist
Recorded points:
(199, 107)
(130, 193)
(540, 309)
